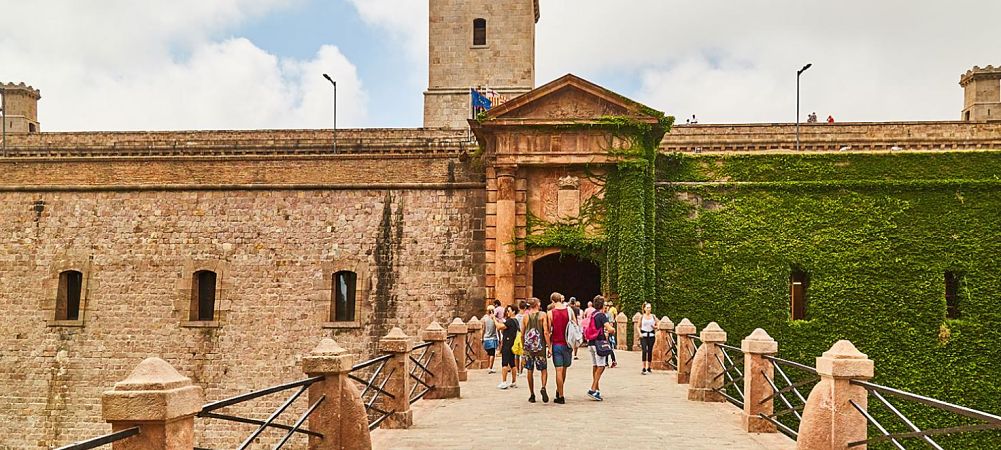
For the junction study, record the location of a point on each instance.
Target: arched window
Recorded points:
(68, 296)
(203, 287)
(343, 296)
(480, 32)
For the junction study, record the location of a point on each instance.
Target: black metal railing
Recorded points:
(373, 387)
(789, 412)
(420, 372)
(209, 411)
(732, 388)
(671, 354)
(976, 420)
(470, 354)
(696, 343)
(102, 440)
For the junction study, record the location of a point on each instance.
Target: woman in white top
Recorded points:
(648, 334)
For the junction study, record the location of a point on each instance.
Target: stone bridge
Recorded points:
(436, 393)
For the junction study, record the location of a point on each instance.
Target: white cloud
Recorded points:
(159, 65)
(405, 20)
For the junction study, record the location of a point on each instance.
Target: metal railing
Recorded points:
(982, 421)
(373, 388)
(792, 401)
(420, 364)
(696, 343)
(671, 354)
(102, 440)
(733, 375)
(470, 354)
(208, 411)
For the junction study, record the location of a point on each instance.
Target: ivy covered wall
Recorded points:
(875, 233)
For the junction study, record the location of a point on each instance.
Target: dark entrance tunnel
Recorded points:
(569, 275)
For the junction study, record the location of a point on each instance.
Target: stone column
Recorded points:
(442, 364)
(161, 401)
(757, 370)
(475, 338)
(341, 417)
(706, 369)
(398, 344)
(504, 257)
(458, 330)
(636, 331)
(685, 331)
(621, 332)
(660, 359)
(830, 421)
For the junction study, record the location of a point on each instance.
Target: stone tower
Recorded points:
(20, 103)
(982, 96)
(488, 43)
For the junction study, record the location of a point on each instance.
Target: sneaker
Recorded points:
(531, 399)
(560, 400)
(545, 396)
(597, 396)
(503, 385)
(491, 371)
(513, 386)
(644, 371)
(575, 357)
(615, 364)
(593, 395)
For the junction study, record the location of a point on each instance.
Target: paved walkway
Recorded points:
(638, 412)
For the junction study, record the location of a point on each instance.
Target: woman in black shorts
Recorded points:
(509, 330)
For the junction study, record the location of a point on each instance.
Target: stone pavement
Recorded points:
(638, 412)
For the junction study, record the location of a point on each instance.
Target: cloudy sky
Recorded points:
(239, 64)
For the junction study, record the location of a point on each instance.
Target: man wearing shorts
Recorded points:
(560, 318)
(535, 341)
(605, 328)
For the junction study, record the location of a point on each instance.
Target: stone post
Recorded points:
(685, 330)
(707, 371)
(636, 331)
(458, 330)
(660, 359)
(341, 417)
(398, 344)
(159, 400)
(442, 364)
(475, 338)
(830, 421)
(622, 332)
(757, 372)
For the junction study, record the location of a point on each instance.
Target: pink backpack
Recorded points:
(591, 332)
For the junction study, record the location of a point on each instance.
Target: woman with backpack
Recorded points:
(535, 342)
(596, 331)
(509, 332)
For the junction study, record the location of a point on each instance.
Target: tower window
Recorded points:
(344, 284)
(203, 290)
(480, 32)
(799, 281)
(68, 296)
(952, 282)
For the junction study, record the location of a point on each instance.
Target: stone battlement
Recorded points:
(848, 136)
(31, 91)
(980, 72)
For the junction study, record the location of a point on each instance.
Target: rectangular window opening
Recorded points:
(953, 280)
(799, 281)
(68, 296)
(344, 285)
(203, 290)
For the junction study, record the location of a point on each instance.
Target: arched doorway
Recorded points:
(566, 274)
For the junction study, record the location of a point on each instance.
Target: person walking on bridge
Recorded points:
(536, 342)
(509, 330)
(490, 339)
(596, 331)
(648, 335)
(561, 317)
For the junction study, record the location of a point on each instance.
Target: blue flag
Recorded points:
(480, 101)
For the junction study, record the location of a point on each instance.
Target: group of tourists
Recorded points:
(528, 336)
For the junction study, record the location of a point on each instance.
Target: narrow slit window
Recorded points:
(344, 286)
(952, 282)
(203, 290)
(798, 284)
(68, 297)
(480, 32)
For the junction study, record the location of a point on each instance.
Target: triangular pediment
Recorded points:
(569, 99)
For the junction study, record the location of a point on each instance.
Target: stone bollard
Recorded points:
(757, 372)
(398, 344)
(475, 339)
(622, 332)
(707, 373)
(660, 360)
(159, 400)
(446, 375)
(830, 422)
(685, 330)
(459, 332)
(636, 331)
(341, 417)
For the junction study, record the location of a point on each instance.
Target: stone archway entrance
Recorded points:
(566, 274)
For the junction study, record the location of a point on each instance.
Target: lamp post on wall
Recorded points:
(798, 74)
(334, 83)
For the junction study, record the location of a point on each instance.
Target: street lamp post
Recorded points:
(334, 83)
(798, 73)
